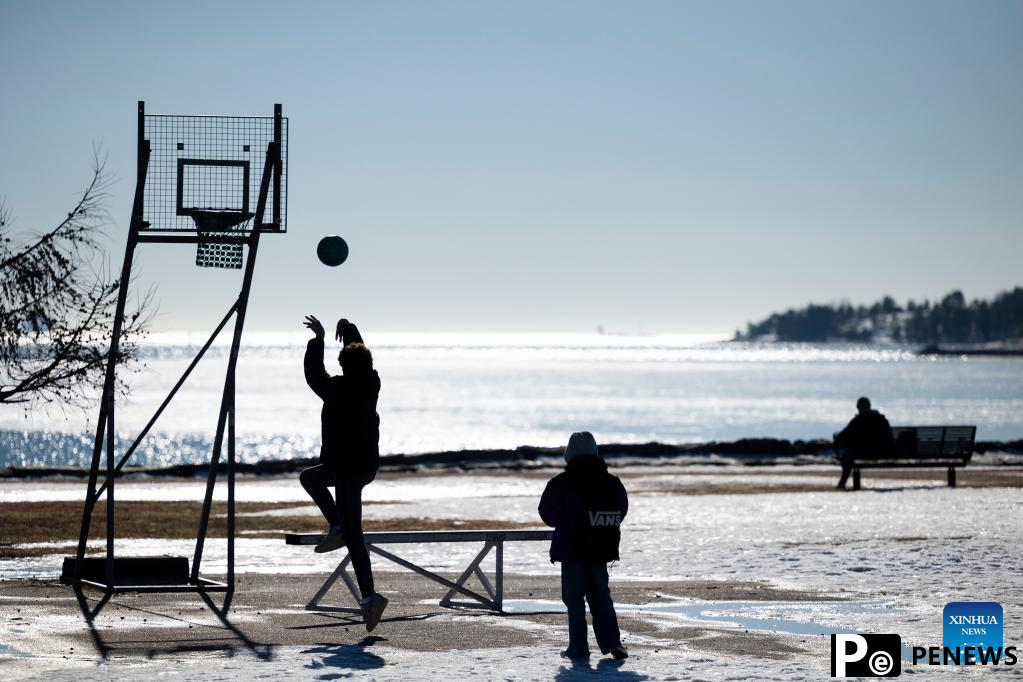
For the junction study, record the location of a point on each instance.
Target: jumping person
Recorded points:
(585, 505)
(349, 454)
(867, 435)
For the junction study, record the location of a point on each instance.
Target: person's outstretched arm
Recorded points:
(347, 333)
(315, 373)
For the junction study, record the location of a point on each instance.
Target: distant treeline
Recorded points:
(952, 320)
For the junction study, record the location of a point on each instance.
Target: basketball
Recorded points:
(332, 250)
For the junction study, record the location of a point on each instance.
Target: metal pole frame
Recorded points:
(105, 422)
(105, 431)
(227, 403)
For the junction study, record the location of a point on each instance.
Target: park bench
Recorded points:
(491, 539)
(918, 447)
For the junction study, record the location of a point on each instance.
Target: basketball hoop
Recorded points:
(195, 178)
(220, 237)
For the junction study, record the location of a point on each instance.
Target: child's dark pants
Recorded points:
(588, 581)
(345, 512)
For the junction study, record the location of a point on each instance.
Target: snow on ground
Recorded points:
(384, 663)
(905, 547)
(437, 485)
(284, 489)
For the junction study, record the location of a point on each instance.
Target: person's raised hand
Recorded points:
(314, 325)
(342, 327)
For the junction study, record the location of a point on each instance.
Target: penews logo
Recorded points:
(866, 655)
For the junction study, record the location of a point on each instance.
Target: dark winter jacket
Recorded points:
(867, 435)
(350, 425)
(573, 499)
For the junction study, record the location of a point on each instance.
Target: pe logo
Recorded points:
(866, 655)
(972, 623)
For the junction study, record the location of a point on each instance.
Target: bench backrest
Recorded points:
(933, 442)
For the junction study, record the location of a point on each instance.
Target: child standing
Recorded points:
(585, 505)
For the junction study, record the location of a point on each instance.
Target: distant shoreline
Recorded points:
(743, 452)
(968, 350)
(980, 350)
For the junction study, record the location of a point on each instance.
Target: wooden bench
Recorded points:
(491, 539)
(921, 446)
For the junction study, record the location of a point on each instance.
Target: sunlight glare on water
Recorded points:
(462, 391)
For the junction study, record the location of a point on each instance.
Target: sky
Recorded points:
(655, 167)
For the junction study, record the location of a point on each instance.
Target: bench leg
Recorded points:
(856, 479)
(951, 477)
(499, 577)
(451, 585)
(474, 568)
(485, 582)
(339, 573)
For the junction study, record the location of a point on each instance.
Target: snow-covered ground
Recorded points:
(390, 664)
(900, 550)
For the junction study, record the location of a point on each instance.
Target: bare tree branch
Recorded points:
(57, 308)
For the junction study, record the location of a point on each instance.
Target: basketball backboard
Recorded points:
(205, 174)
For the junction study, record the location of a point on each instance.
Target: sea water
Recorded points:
(460, 391)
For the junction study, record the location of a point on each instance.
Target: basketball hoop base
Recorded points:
(137, 574)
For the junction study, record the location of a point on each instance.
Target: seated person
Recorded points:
(868, 435)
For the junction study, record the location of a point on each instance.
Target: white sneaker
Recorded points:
(331, 541)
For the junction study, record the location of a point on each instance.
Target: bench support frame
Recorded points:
(493, 599)
(951, 474)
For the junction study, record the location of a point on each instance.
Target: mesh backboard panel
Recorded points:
(209, 163)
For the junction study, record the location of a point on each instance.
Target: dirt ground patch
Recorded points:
(35, 522)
